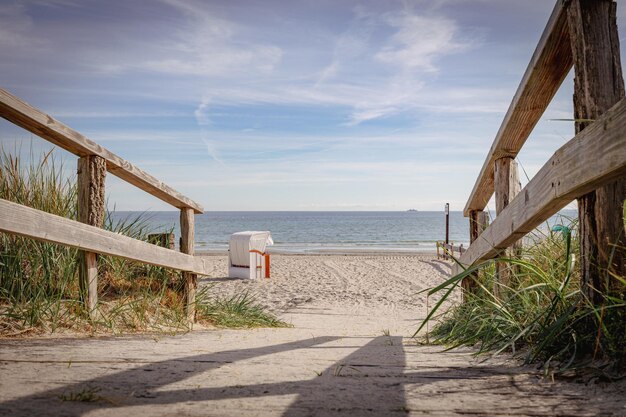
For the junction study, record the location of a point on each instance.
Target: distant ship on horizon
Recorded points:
(411, 210)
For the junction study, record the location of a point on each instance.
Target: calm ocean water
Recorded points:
(303, 232)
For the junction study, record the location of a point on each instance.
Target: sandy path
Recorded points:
(336, 360)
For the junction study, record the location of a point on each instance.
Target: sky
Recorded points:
(276, 105)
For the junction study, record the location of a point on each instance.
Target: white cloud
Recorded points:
(206, 45)
(419, 41)
(212, 150)
(370, 76)
(201, 112)
(415, 43)
(375, 68)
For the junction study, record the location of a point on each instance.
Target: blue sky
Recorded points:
(274, 105)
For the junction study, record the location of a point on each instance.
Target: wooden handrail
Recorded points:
(94, 162)
(548, 67)
(24, 115)
(594, 157)
(36, 224)
(448, 249)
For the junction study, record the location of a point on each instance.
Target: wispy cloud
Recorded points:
(419, 41)
(212, 150)
(201, 112)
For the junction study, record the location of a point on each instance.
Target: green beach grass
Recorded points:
(542, 316)
(39, 289)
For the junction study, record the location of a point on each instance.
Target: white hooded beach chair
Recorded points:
(246, 255)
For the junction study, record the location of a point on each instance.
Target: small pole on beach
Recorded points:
(447, 210)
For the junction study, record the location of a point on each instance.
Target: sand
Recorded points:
(347, 354)
(350, 281)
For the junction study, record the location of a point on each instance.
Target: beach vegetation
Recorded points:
(541, 316)
(39, 286)
(85, 395)
(237, 311)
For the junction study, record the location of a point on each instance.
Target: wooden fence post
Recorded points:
(479, 221)
(91, 178)
(598, 85)
(187, 246)
(507, 186)
(165, 240)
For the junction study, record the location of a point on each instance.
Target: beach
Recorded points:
(347, 352)
(249, 218)
(389, 282)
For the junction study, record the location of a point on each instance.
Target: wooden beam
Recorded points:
(507, 186)
(595, 157)
(479, 221)
(25, 221)
(598, 85)
(24, 115)
(187, 242)
(544, 75)
(91, 177)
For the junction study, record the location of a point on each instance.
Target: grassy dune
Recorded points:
(542, 315)
(39, 290)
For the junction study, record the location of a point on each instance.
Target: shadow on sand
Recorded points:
(441, 266)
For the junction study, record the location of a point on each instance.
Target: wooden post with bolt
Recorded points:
(187, 246)
(506, 186)
(479, 221)
(91, 208)
(598, 85)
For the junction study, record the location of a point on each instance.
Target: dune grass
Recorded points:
(39, 289)
(237, 311)
(542, 316)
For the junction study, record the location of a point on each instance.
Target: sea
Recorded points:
(318, 231)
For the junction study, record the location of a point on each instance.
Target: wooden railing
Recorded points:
(582, 34)
(86, 234)
(445, 250)
(594, 157)
(544, 75)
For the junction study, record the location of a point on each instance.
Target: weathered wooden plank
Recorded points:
(506, 182)
(595, 157)
(598, 85)
(544, 75)
(448, 249)
(24, 115)
(88, 276)
(91, 176)
(479, 221)
(25, 221)
(187, 241)
(507, 186)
